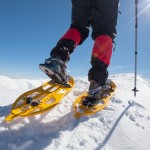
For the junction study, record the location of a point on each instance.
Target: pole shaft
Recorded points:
(136, 45)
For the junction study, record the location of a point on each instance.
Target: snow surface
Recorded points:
(121, 126)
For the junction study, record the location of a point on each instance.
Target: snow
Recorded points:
(123, 125)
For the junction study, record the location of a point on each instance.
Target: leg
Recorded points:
(78, 31)
(55, 66)
(104, 19)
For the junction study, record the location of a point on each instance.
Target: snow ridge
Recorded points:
(121, 125)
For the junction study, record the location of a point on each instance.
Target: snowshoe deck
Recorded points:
(80, 110)
(39, 100)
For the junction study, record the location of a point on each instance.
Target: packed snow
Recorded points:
(123, 125)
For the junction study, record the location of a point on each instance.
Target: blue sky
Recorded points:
(29, 29)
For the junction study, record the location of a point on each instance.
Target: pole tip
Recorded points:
(135, 90)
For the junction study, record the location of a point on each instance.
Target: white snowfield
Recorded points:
(120, 126)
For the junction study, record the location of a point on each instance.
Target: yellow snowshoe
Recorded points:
(81, 110)
(39, 100)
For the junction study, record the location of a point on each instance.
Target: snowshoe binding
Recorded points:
(31, 102)
(95, 100)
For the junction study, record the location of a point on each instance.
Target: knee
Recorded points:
(84, 31)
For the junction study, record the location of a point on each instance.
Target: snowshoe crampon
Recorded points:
(39, 100)
(80, 110)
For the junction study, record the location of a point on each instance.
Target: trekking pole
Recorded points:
(136, 35)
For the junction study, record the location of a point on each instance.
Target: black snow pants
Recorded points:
(101, 15)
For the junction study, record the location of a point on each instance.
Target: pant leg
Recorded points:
(104, 17)
(78, 31)
(81, 21)
(81, 16)
(103, 21)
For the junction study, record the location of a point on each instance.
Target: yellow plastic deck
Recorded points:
(49, 95)
(80, 110)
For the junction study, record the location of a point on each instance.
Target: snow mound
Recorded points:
(124, 124)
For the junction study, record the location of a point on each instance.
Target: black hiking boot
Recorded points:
(55, 69)
(95, 93)
(55, 66)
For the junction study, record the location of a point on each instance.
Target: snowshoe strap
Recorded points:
(93, 91)
(47, 61)
(105, 87)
